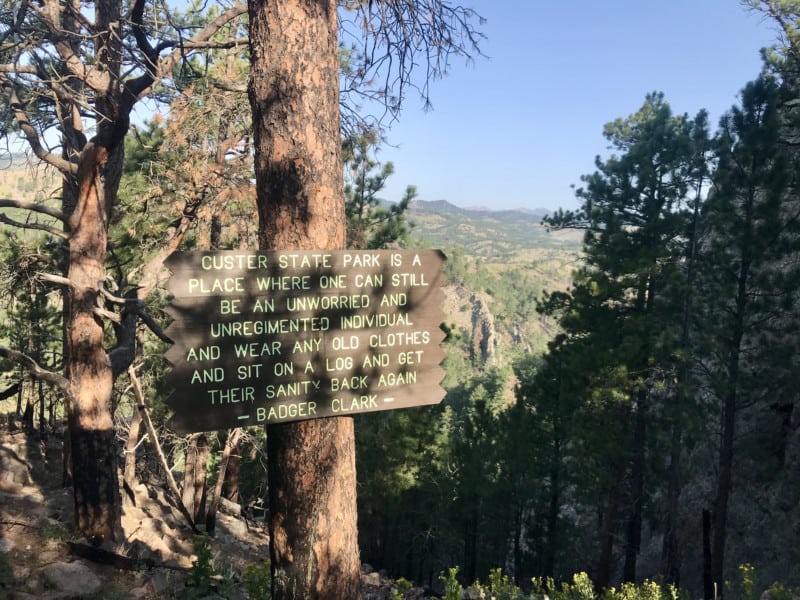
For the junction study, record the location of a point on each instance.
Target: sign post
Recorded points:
(271, 337)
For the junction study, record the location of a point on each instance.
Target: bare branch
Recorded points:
(396, 39)
(36, 226)
(33, 207)
(109, 296)
(107, 314)
(151, 432)
(30, 133)
(153, 272)
(34, 369)
(228, 87)
(57, 279)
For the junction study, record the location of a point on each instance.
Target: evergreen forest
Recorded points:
(621, 380)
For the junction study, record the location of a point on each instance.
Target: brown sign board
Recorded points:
(272, 337)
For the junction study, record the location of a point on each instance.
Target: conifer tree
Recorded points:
(749, 278)
(635, 214)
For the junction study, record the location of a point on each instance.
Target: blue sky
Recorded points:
(516, 129)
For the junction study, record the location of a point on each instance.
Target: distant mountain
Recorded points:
(445, 206)
(504, 236)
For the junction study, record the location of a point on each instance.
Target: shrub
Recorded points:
(257, 580)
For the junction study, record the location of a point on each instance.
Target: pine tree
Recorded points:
(749, 277)
(635, 215)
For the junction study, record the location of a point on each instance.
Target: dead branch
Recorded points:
(37, 371)
(30, 133)
(101, 285)
(151, 432)
(33, 207)
(107, 314)
(57, 279)
(37, 226)
(158, 67)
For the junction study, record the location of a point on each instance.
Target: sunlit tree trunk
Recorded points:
(91, 429)
(295, 100)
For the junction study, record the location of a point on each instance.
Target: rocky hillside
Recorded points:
(160, 558)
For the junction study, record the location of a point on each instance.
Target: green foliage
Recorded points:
(745, 588)
(257, 580)
(501, 588)
(452, 588)
(580, 589)
(401, 586)
(371, 222)
(55, 530)
(777, 591)
(202, 573)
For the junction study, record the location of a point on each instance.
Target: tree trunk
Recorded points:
(194, 476)
(633, 535)
(471, 527)
(30, 403)
(708, 579)
(230, 489)
(730, 400)
(602, 578)
(42, 410)
(312, 493)
(670, 551)
(129, 471)
(554, 509)
(294, 96)
(211, 517)
(91, 429)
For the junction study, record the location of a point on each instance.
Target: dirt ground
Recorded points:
(40, 555)
(42, 559)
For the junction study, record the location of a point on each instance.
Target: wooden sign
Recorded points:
(272, 337)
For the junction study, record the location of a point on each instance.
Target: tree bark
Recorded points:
(230, 488)
(633, 534)
(294, 96)
(730, 401)
(129, 472)
(194, 476)
(211, 517)
(602, 578)
(708, 579)
(91, 429)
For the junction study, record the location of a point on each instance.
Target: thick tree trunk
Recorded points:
(91, 430)
(314, 541)
(295, 101)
